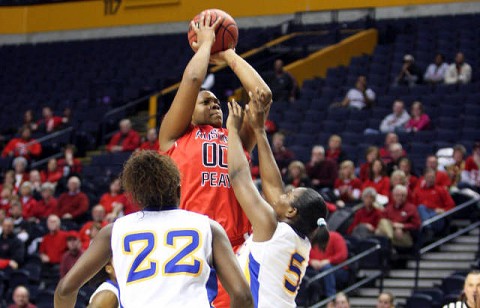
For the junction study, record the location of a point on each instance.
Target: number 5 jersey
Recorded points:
(201, 157)
(162, 259)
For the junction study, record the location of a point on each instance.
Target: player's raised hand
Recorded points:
(256, 109)
(235, 116)
(205, 32)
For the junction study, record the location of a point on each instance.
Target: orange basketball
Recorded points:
(226, 35)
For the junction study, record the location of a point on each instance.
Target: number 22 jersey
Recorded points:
(201, 157)
(162, 259)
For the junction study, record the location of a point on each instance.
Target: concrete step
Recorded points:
(407, 283)
(430, 264)
(440, 256)
(424, 273)
(468, 239)
(373, 292)
(451, 247)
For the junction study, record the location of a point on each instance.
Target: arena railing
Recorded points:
(49, 137)
(420, 251)
(354, 286)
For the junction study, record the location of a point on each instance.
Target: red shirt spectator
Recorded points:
(98, 217)
(27, 201)
(69, 165)
(431, 195)
(115, 195)
(384, 152)
(471, 174)
(21, 298)
(49, 123)
(441, 177)
(48, 204)
(152, 141)
(73, 253)
(365, 215)
(347, 186)
(405, 214)
(73, 203)
(283, 156)
(54, 243)
(334, 151)
(322, 171)
(336, 251)
(52, 174)
(125, 140)
(381, 185)
(25, 146)
(419, 120)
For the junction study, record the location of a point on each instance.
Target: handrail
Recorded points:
(353, 259)
(41, 162)
(50, 136)
(419, 250)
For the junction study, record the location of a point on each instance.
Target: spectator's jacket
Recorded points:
(129, 141)
(406, 214)
(22, 147)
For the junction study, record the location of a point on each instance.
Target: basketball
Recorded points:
(226, 35)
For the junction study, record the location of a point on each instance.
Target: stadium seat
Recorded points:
(436, 294)
(419, 300)
(452, 284)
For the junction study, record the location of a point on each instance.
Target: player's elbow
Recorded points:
(192, 76)
(268, 95)
(64, 288)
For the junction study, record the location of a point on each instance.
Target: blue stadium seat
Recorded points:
(314, 116)
(446, 135)
(421, 149)
(356, 126)
(419, 300)
(452, 284)
(448, 123)
(471, 134)
(333, 127)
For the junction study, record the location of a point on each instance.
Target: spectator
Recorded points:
(366, 219)
(20, 165)
(9, 179)
(342, 301)
(152, 141)
(469, 294)
(432, 199)
(12, 250)
(5, 199)
(471, 174)
(347, 186)
(283, 156)
(410, 73)
(36, 180)
(334, 253)
(455, 170)
(396, 120)
(21, 227)
(458, 72)
(334, 151)
(52, 174)
(390, 138)
(322, 171)
(296, 175)
(419, 120)
(398, 177)
(21, 298)
(371, 154)
(54, 243)
(386, 300)
(98, 217)
(435, 72)
(49, 123)
(400, 218)
(113, 197)
(27, 200)
(69, 165)
(73, 253)
(74, 203)
(47, 205)
(29, 121)
(396, 154)
(282, 83)
(125, 140)
(359, 97)
(442, 178)
(24, 146)
(378, 178)
(405, 165)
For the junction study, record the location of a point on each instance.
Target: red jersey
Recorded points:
(201, 157)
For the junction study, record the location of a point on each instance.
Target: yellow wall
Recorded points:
(316, 64)
(91, 14)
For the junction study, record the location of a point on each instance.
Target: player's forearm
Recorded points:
(272, 184)
(248, 76)
(196, 69)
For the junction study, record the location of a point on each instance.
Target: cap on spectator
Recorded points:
(408, 57)
(73, 235)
